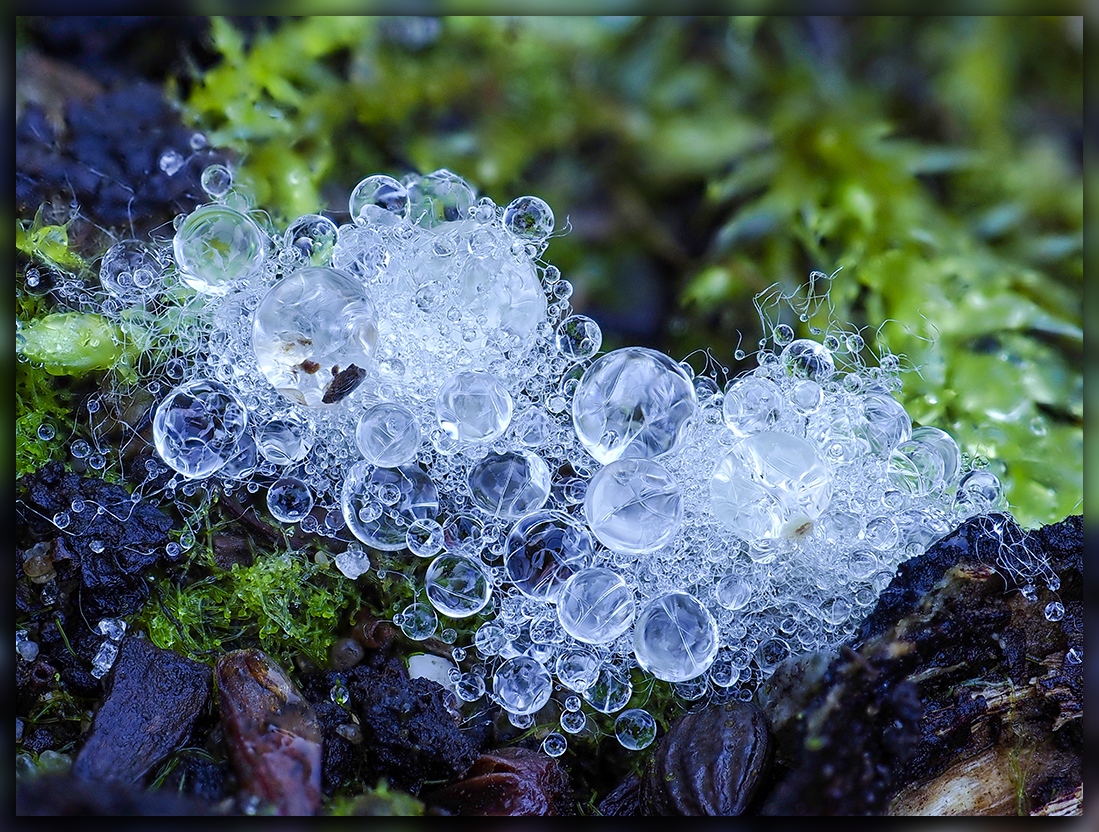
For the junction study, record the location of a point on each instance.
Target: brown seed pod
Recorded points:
(508, 781)
(710, 763)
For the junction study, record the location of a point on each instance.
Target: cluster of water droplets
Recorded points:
(415, 382)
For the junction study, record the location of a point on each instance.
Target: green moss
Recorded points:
(283, 603)
(48, 244)
(71, 343)
(381, 801)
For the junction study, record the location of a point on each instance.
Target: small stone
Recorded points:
(272, 732)
(153, 698)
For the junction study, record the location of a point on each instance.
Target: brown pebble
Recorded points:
(345, 654)
(272, 732)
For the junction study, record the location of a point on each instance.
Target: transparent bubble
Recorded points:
(529, 217)
(579, 337)
(498, 289)
(805, 358)
(289, 500)
(634, 505)
(424, 538)
(217, 180)
(724, 673)
(122, 262)
(543, 550)
(772, 652)
(439, 197)
(577, 669)
(573, 722)
(782, 334)
(675, 637)
(285, 438)
(770, 485)
(490, 639)
(217, 248)
(313, 335)
(457, 586)
(733, 592)
(885, 424)
(554, 744)
(929, 462)
(387, 529)
(752, 405)
(532, 427)
(418, 621)
(313, 237)
(806, 396)
(470, 687)
(196, 428)
(242, 464)
(509, 485)
(46, 432)
(979, 492)
(610, 691)
(388, 435)
(633, 402)
(474, 406)
(881, 533)
(635, 729)
(595, 605)
(522, 685)
(1054, 611)
(375, 196)
(464, 534)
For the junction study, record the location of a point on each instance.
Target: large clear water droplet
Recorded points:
(197, 426)
(675, 637)
(217, 248)
(634, 505)
(313, 334)
(474, 406)
(457, 586)
(522, 685)
(381, 520)
(595, 605)
(509, 485)
(543, 550)
(632, 402)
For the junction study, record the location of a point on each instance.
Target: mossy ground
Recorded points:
(931, 166)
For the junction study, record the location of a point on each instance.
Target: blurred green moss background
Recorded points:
(936, 162)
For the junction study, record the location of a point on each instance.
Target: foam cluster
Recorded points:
(416, 382)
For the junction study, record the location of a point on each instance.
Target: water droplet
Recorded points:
(635, 729)
(170, 162)
(217, 248)
(216, 181)
(554, 744)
